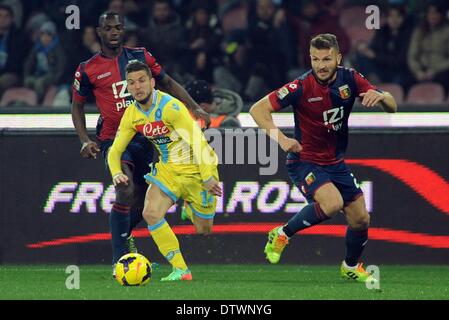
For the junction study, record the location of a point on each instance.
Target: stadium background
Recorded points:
(402, 164)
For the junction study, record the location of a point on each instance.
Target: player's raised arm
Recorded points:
(89, 148)
(261, 113)
(124, 135)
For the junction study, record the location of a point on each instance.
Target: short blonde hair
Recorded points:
(325, 41)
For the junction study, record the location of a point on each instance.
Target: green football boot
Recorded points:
(178, 275)
(275, 245)
(186, 215)
(131, 245)
(358, 274)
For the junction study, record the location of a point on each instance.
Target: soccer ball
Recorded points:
(133, 269)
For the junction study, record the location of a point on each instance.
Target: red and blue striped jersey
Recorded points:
(105, 78)
(321, 113)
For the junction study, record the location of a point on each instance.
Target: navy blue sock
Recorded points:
(119, 220)
(136, 217)
(309, 216)
(355, 243)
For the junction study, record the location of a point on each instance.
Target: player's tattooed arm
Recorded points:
(89, 149)
(171, 86)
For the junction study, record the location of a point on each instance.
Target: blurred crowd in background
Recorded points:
(249, 47)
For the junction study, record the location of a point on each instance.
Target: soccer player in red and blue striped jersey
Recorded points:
(322, 100)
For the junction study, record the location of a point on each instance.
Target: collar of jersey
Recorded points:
(106, 57)
(153, 104)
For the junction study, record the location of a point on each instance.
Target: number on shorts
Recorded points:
(207, 198)
(153, 170)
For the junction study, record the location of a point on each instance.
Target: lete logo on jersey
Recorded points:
(153, 129)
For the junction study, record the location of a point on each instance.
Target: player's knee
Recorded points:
(151, 216)
(363, 221)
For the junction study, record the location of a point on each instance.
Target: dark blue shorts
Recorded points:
(138, 154)
(308, 177)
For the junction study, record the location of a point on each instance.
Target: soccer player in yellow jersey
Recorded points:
(187, 166)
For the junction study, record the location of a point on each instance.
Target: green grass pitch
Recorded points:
(221, 282)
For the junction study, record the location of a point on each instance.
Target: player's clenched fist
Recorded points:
(213, 187)
(120, 178)
(290, 145)
(89, 149)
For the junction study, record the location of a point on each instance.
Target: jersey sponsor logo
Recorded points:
(333, 118)
(119, 89)
(153, 129)
(124, 104)
(161, 140)
(345, 92)
(315, 99)
(104, 75)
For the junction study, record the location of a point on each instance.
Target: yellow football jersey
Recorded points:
(169, 126)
